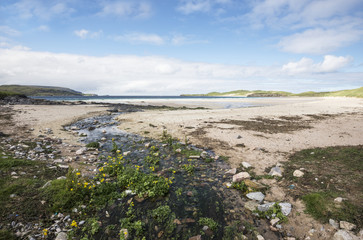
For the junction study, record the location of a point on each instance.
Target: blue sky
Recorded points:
(168, 47)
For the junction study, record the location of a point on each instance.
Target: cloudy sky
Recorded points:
(168, 47)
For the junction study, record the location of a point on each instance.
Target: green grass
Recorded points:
(29, 90)
(358, 92)
(4, 94)
(329, 173)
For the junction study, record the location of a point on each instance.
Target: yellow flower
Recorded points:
(78, 173)
(132, 204)
(102, 180)
(174, 171)
(104, 175)
(45, 232)
(101, 169)
(74, 224)
(71, 189)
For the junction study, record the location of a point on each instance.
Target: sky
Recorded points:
(171, 47)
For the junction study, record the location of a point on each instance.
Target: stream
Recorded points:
(193, 196)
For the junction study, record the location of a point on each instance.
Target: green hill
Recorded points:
(358, 92)
(30, 90)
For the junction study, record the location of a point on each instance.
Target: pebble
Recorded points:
(347, 225)
(232, 171)
(298, 173)
(343, 235)
(275, 171)
(62, 236)
(246, 165)
(285, 208)
(258, 196)
(240, 176)
(251, 205)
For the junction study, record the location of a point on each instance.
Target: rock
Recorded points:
(298, 173)
(285, 208)
(265, 207)
(126, 153)
(254, 185)
(251, 205)
(259, 237)
(246, 165)
(204, 154)
(347, 225)
(81, 151)
(147, 145)
(63, 166)
(177, 221)
(12, 195)
(334, 223)
(62, 236)
(103, 139)
(47, 184)
(274, 221)
(194, 157)
(178, 150)
(232, 171)
(343, 235)
(258, 196)
(275, 171)
(81, 223)
(240, 176)
(339, 200)
(198, 237)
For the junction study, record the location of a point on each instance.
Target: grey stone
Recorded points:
(258, 196)
(81, 151)
(61, 236)
(251, 205)
(274, 221)
(334, 223)
(246, 165)
(343, 235)
(275, 171)
(240, 176)
(347, 225)
(265, 207)
(232, 171)
(285, 208)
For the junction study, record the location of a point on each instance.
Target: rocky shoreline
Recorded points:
(59, 156)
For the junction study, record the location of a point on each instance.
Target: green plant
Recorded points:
(161, 213)
(275, 210)
(190, 168)
(93, 145)
(240, 186)
(204, 221)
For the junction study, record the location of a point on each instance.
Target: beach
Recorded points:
(264, 135)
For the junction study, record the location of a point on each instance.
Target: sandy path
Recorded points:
(342, 126)
(55, 117)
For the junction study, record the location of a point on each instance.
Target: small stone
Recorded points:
(198, 237)
(190, 194)
(177, 221)
(274, 221)
(126, 153)
(265, 207)
(62, 236)
(63, 166)
(258, 196)
(12, 195)
(246, 165)
(232, 171)
(298, 173)
(342, 235)
(285, 208)
(347, 225)
(253, 184)
(147, 145)
(251, 205)
(103, 139)
(81, 151)
(259, 237)
(178, 150)
(81, 223)
(240, 176)
(338, 199)
(275, 171)
(160, 234)
(194, 157)
(334, 223)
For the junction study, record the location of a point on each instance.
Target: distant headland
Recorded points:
(32, 90)
(358, 92)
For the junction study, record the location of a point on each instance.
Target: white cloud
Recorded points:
(309, 26)
(193, 6)
(308, 66)
(128, 75)
(9, 31)
(83, 33)
(181, 39)
(319, 41)
(43, 28)
(134, 9)
(141, 38)
(44, 10)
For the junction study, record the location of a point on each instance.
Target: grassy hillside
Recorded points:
(39, 90)
(358, 92)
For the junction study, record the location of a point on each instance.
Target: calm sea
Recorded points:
(189, 101)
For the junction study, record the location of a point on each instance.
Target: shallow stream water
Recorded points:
(201, 194)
